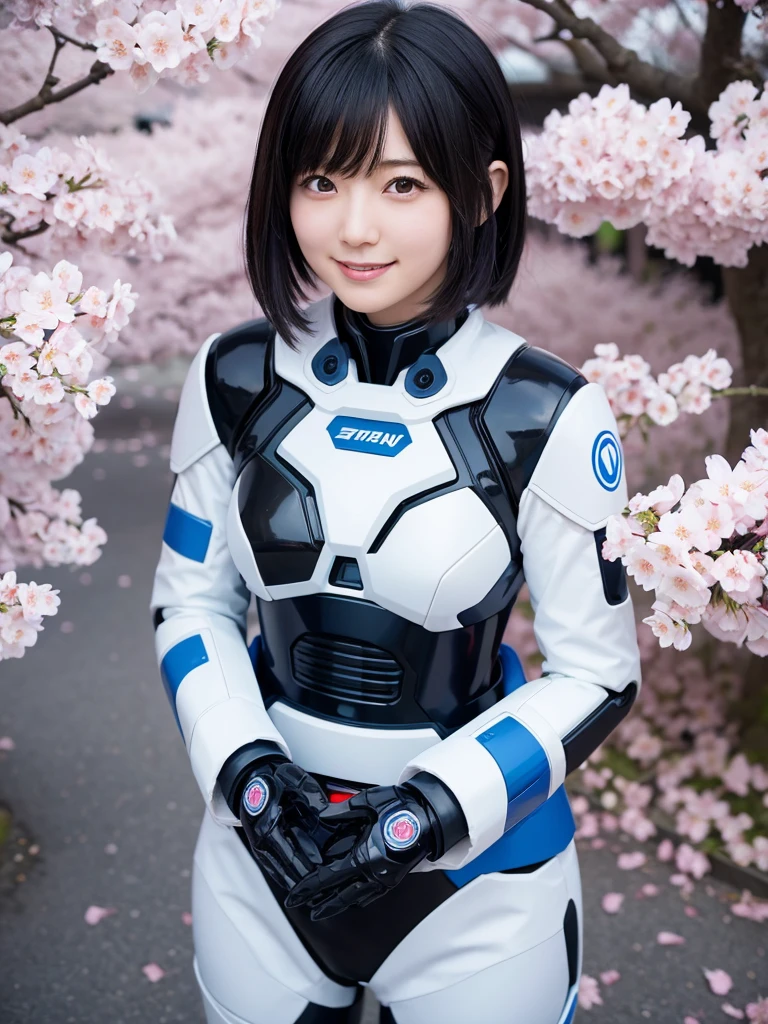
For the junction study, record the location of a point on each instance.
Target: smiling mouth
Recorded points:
(364, 266)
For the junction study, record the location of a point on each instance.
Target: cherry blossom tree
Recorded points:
(686, 154)
(57, 333)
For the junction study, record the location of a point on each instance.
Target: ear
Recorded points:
(498, 172)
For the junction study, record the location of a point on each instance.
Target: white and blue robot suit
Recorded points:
(376, 756)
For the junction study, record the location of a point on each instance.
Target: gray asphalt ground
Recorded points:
(99, 786)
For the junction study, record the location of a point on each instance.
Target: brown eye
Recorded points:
(321, 182)
(406, 186)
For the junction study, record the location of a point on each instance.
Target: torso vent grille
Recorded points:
(348, 669)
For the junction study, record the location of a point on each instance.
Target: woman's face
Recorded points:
(397, 217)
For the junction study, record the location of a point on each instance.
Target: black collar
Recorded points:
(380, 353)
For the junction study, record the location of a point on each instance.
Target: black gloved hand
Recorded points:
(279, 806)
(280, 810)
(379, 835)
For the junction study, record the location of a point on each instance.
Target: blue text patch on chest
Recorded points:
(377, 437)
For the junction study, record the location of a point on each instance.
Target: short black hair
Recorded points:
(456, 111)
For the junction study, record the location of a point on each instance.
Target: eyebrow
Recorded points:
(398, 162)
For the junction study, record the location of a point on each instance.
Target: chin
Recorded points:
(362, 299)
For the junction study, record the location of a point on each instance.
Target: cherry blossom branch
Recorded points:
(17, 410)
(99, 71)
(58, 34)
(14, 237)
(753, 390)
(641, 76)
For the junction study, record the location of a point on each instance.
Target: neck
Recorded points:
(381, 352)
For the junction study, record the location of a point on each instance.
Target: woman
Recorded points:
(382, 469)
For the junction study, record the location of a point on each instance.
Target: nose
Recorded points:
(357, 226)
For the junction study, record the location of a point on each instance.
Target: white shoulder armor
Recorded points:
(194, 432)
(581, 470)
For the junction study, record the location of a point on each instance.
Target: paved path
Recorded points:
(98, 767)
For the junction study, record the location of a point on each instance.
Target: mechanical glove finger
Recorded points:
(359, 894)
(300, 787)
(322, 882)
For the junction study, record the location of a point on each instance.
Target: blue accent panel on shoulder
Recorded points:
(187, 534)
(523, 763)
(178, 663)
(543, 834)
(376, 437)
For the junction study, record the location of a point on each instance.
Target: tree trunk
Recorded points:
(746, 290)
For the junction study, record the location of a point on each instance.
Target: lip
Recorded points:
(363, 275)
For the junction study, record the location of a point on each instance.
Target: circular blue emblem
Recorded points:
(607, 460)
(401, 830)
(255, 796)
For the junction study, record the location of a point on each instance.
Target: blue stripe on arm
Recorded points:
(178, 663)
(187, 534)
(523, 763)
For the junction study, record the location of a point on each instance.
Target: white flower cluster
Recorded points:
(57, 334)
(22, 607)
(703, 551)
(149, 38)
(612, 159)
(637, 397)
(79, 197)
(42, 370)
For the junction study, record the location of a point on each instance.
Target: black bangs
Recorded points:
(340, 118)
(328, 113)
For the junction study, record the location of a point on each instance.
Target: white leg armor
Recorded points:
(495, 951)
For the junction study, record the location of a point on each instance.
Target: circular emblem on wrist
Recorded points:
(401, 830)
(256, 795)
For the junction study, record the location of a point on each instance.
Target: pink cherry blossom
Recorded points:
(116, 42)
(732, 1011)
(95, 914)
(758, 1012)
(159, 36)
(665, 851)
(735, 571)
(751, 907)
(737, 777)
(668, 630)
(589, 992)
(719, 981)
(691, 861)
(670, 939)
(612, 901)
(645, 565)
(631, 861)
(610, 977)
(153, 972)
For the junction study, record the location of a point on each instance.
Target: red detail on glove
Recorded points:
(339, 798)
